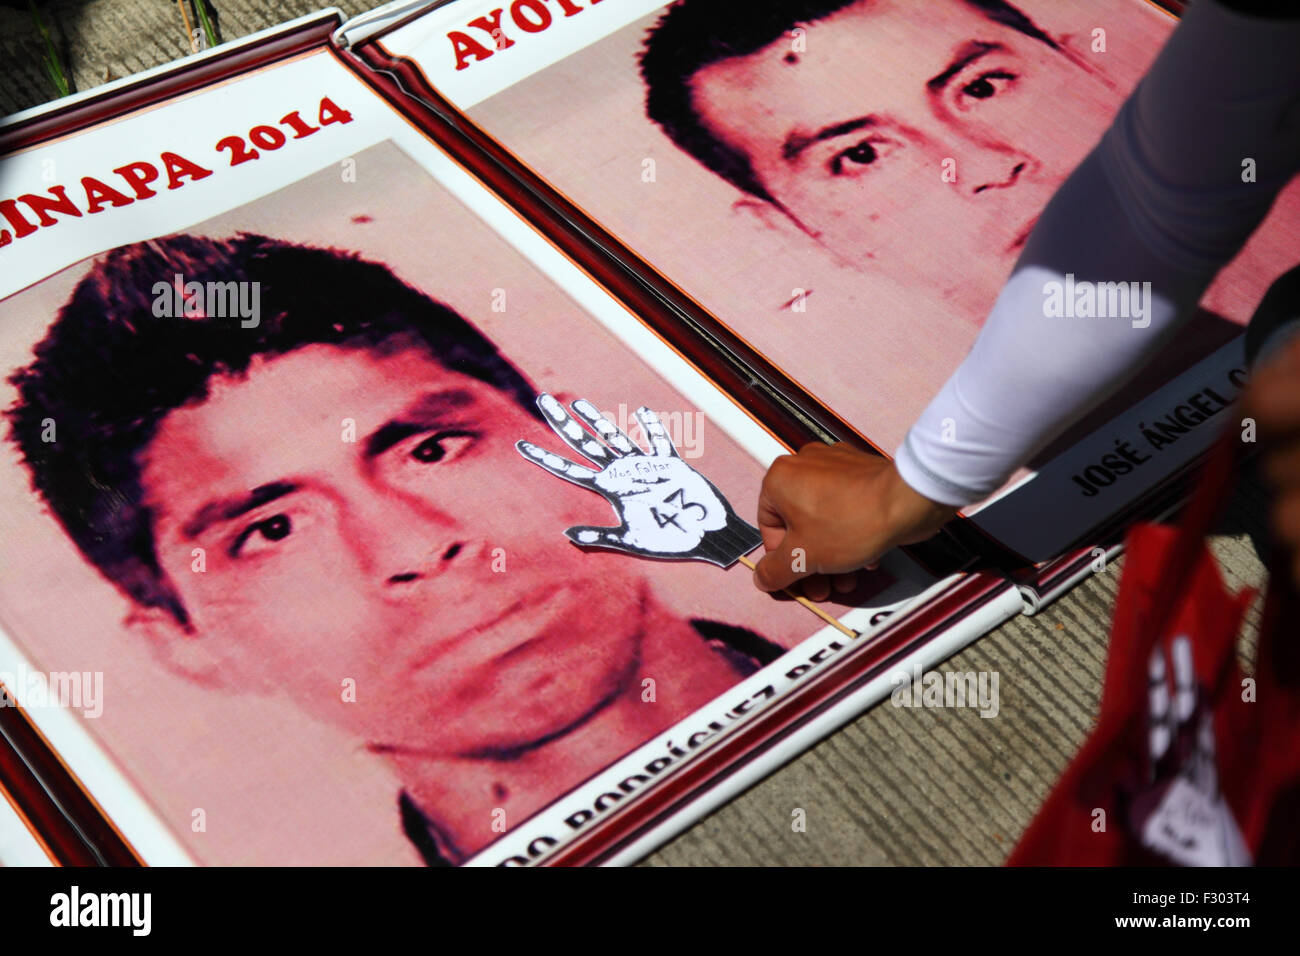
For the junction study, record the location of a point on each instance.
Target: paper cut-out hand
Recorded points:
(667, 509)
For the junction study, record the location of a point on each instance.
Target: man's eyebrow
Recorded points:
(967, 53)
(415, 418)
(224, 509)
(797, 142)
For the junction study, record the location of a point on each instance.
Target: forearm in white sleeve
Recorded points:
(1161, 199)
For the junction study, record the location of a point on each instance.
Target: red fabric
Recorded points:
(1171, 593)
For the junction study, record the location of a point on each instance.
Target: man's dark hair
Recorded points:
(693, 34)
(109, 369)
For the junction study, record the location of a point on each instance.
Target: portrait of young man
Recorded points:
(329, 505)
(874, 166)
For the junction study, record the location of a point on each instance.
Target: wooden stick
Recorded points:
(189, 28)
(809, 605)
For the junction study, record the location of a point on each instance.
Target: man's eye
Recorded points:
(860, 154)
(444, 446)
(983, 87)
(274, 528)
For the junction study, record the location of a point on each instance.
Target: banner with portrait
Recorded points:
(347, 521)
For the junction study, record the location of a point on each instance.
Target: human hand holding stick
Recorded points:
(831, 510)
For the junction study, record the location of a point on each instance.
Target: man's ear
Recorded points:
(770, 216)
(185, 653)
(761, 213)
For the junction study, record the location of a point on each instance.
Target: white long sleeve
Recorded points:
(1162, 200)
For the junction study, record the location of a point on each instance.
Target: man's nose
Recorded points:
(1003, 176)
(425, 565)
(399, 541)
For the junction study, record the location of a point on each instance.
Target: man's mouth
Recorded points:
(519, 622)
